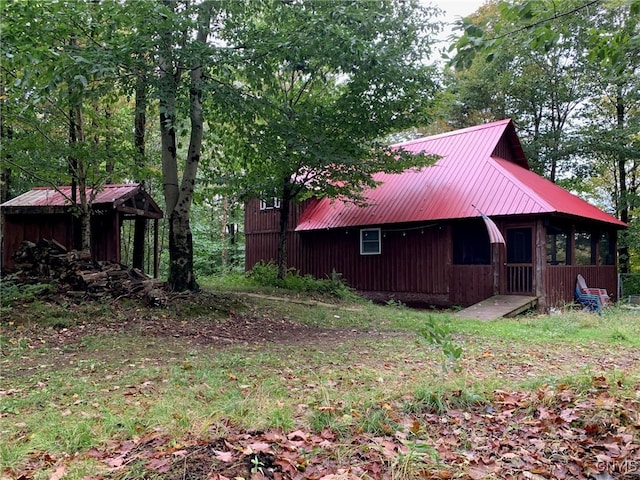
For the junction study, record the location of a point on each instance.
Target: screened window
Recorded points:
(270, 203)
(607, 249)
(585, 252)
(557, 246)
(370, 241)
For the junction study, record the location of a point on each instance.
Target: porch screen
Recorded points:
(585, 249)
(557, 246)
(607, 248)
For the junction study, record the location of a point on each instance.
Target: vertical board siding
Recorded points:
(18, 228)
(412, 260)
(12, 241)
(261, 234)
(471, 284)
(34, 227)
(105, 247)
(561, 281)
(415, 260)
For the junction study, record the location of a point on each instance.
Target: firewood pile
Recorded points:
(79, 276)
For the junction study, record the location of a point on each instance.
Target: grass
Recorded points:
(113, 383)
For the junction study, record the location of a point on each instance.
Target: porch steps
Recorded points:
(498, 306)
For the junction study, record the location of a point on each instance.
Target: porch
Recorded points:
(498, 306)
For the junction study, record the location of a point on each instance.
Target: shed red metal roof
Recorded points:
(61, 196)
(469, 172)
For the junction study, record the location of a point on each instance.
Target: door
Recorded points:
(520, 261)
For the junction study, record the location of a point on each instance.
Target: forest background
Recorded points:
(210, 103)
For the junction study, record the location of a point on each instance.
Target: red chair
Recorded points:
(601, 293)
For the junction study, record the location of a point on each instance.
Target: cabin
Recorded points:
(47, 213)
(422, 237)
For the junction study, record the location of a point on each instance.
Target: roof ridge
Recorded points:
(452, 133)
(106, 185)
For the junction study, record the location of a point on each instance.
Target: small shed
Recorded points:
(47, 212)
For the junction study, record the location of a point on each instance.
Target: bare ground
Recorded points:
(536, 435)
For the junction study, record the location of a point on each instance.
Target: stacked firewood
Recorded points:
(80, 276)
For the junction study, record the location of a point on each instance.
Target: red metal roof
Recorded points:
(468, 173)
(60, 197)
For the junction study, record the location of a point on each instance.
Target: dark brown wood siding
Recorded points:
(261, 234)
(416, 261)
(413, 260)
(105, 241)
(18, 228)
(471, 284)
(561, 281)
(503, 149)
(105, 246)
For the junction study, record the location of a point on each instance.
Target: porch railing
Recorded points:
(520, 278)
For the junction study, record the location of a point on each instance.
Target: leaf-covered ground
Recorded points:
(588, 428)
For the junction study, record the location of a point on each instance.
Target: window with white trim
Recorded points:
(270, 203)
(370, 241)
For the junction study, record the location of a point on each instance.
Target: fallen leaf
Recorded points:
(226, 457)
(160, 465)
(60, 472)
(260, 447)
(479, 472)
(115, 462)
(568, 415)
(298, 434)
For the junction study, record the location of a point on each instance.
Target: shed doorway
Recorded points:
(520, 261)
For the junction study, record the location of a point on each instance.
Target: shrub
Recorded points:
(437, 334)
(13, 291)
(266, 275)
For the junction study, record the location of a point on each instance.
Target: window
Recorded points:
(557, 243)
(471, 243)
(270, 203)
(584, 249)
(607, 248)
(370, 241)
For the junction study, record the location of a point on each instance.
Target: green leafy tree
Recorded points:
(319, 84)
(612, 116)
(57, 83)
(583, 117)
(537, 76)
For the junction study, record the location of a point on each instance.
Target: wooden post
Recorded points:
(540, 259)
(497, 260)
(497, 266)
(156, 259)
(140, 226)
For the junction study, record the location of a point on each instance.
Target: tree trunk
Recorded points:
(5, 175)
(78, 172)
(224, 252)
(285, 207)
(140, 121)
(181, 276)
(179, 199)
(232, 245)
(5, 184)
(623, 250)
(111, 160)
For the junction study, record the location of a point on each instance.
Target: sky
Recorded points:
(453, 10)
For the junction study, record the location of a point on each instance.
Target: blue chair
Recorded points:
(589, 301)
